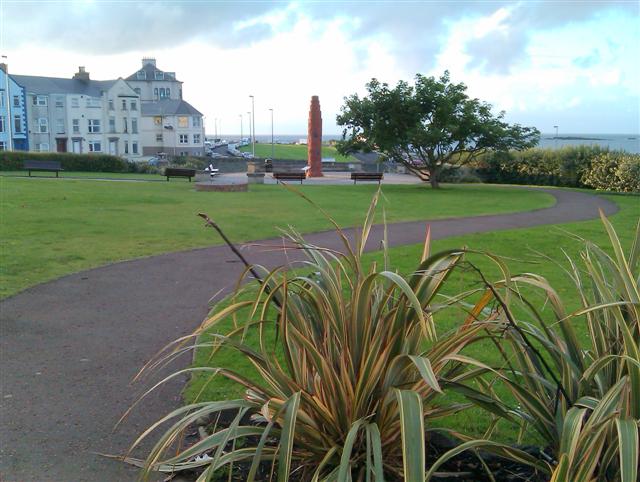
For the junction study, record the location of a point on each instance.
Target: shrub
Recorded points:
(13, 161)
(583, 399)
(345, 385)
(614, 172)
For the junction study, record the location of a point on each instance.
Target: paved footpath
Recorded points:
(70, 347)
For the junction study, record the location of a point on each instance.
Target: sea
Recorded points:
(615, 142)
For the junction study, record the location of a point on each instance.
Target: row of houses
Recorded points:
(143, 114)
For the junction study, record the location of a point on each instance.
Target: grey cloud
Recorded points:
(415, 31)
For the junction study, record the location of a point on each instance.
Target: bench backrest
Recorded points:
(291, 175)
(179, 171)
(365, 175)
(53, 165)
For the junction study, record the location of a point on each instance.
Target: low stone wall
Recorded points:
(237, 164)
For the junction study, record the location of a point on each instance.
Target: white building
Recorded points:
(172, 127)
(82, 115)
(143, 114)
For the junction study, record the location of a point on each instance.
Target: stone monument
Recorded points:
(314, 139)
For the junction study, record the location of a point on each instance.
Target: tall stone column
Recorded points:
(314, 139)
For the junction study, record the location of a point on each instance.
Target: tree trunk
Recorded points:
(433, 179)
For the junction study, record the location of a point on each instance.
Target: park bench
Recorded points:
(290, 176)
(366, 176)
(179, 172)
(50, 166)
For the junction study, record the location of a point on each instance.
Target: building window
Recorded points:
(134, 126)
(3, 146)
(93, 102)
(124, 104)
(197, 121)
(126, 147)
(94, 126)
(196, 138)
(137, 90)
(17, 123)
(75, 126)
(95, 146)
(1, 123)
(159, 75)
(125, 125)
(112, 124)
(183, 122)
(184, 139)
(43, 125)
(134, 105)
(134, 147)
(40, 100)
(111, 106)
(1, 98)
(157, 120)
(184, 153)
(155, 92)
(16, 101)
(159, 138)
(75, 102)
(42, 147)
(162, 93)
(59, 126)
(142, 75)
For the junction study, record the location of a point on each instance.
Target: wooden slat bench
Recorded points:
(179, 172)
(50, 166)
(290, 176)
(366, 176)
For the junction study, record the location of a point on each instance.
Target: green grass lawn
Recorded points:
(53, 227)
(295, 152)
(517, 246)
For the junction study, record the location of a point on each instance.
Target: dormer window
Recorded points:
(159, 75)
(142, 75)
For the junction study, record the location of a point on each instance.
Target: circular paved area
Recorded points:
(70, 347)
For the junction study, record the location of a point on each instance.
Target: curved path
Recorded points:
(70, 347)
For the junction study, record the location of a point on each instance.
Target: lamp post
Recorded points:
(241, 134)
(271, 110)
(249, 115)
(555, 139)
(253, 128)
(9, 122)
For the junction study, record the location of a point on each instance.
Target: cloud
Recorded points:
(589, 60)
(413, 31)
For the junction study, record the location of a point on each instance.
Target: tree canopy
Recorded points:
(428, 127)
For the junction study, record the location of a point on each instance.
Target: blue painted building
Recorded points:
(13, 114)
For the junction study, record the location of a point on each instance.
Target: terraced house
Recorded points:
(13, 120)
(141, 115)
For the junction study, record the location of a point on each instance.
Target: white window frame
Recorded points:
(157, 75)
(59, 126)
(183, 121)
(134, 125)
(196, 121)
(17, 127)
(159, 138)
(124, 104)
(3, 146)
(111, 105)
(75, 102)
(134, 147)
(133, 105)
(16, 101)
(75, 126)
(141, 75)
(112, 125)
(94, 126)
(2, 124)
(197, 139)
(92, 145)
(43, 122)
(126, 147)
(41, 100)
(42, 147)
(184, 137)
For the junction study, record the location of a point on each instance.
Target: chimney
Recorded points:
(148, 60)
(82, 74)
(4, 67)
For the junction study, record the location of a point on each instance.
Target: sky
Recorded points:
(573, 64)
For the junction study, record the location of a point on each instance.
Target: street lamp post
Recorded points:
(253, 124)
(555, 139)
(249, 116)
(271, 133)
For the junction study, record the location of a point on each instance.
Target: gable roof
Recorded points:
(169, 107)
(150, 74)
(55, 85)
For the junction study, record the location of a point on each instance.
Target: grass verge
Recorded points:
(51, 227)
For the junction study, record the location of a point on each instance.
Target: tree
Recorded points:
(428, 127)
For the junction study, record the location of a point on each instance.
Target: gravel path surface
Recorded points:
(70, 347)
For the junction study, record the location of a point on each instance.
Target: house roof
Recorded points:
(169, 107)
(55, 85)
(150, 74)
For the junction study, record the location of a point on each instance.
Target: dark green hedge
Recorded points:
(13, 161)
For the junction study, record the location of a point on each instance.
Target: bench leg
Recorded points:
(56, 173)
(29, 172)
